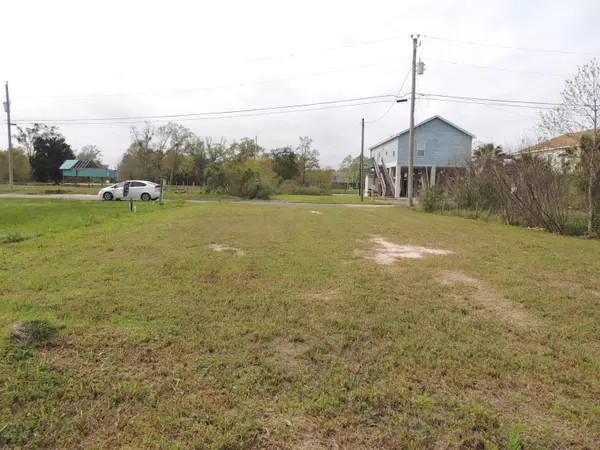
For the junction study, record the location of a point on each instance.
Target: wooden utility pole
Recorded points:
(591, 179)
(411, 137)
(10, 165)
(362, 161)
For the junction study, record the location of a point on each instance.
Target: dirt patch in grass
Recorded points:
(489, 298)
(324, 295)
(575, 288)
(287, 354)
(387, 252)
(225, 248)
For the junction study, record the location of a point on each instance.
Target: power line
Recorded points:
(499, 68)
(221, 117)
(226, 86)
(223, 114)
(327, 49)
(474, 102)
(490, 99)
(393, 101)
(493, 106)
(525, 49)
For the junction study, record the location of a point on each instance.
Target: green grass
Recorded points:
(345, 191)
(299, 342)
(37, 189)
(338, 199)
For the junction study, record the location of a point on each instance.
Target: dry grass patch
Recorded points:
(488, 298)
(387, 252)
(225, 248)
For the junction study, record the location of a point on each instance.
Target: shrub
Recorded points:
(215, 178)
(576, 225)
(431, 199)
(527, 191)
(239, 181)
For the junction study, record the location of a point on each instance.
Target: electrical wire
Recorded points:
(499, 68)
(474, 102)
(564, 52)
(393, 101)
(489, 99)
(225, 115)
(327, 49)
(226, 86)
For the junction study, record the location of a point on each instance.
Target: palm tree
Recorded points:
(489, 151)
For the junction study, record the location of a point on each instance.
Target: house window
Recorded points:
(386, 153)
(421, 145)
(394, 153)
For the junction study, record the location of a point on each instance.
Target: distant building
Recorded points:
(438, 144)
(75, 170)
(554, 150)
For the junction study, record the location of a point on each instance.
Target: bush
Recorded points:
(239, 181)
(526, 192)
(431, 199)
(576, 225)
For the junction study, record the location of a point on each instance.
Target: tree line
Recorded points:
(173, 153)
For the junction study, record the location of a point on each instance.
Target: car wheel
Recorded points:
(146, 197)
(107, 196)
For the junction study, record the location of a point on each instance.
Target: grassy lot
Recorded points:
(343, 199)
(345, 191)
(36, 189)
(290, 338)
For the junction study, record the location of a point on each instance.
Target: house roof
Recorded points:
(78, 164)
(68, 164)
(423, 123)
(557, 143)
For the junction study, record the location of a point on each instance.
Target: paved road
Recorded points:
(61, 196)
(367, 204)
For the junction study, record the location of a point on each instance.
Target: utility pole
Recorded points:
(10, 168)
(591, 175)
(362, 161)
(411, 137)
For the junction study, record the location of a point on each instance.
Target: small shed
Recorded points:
(88, 170)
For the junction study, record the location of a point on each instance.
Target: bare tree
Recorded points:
(308, 159)
(578, 112)
(172, 139)
(90, 153)
(27, 136)
(142, 142)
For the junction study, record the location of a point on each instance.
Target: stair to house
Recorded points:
(389, 183)
(386, 182)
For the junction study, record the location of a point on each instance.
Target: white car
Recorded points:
(131, 190)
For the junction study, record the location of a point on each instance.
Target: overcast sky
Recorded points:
(84, 59)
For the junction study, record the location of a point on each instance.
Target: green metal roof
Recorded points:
(68, 164)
